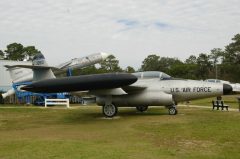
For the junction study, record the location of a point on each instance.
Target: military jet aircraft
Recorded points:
(113, 90)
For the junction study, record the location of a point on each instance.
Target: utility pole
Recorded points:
(216, 77)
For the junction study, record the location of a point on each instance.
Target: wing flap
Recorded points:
(132, 88)
(114, 91)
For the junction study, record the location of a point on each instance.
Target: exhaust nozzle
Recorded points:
(227, 89)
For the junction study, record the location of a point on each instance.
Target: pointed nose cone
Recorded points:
(227, 89)
(27, 88)
(104, 55)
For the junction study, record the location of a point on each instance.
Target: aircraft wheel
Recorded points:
(110, 110)
(1, 99)
(142, 108)
(172, 111)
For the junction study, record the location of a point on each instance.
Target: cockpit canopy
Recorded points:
(152, 74)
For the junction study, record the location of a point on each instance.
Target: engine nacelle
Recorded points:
(139, 99)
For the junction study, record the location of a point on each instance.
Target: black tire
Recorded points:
(1, 99)
(142, 108)
(109, 110)
(172, 111)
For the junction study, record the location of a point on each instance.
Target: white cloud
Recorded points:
(130, 29)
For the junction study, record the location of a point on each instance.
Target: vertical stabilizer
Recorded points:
(41, 73)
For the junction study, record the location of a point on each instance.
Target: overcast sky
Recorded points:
(129, 29)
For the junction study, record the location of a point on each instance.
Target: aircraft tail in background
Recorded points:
(39, 66)
(25, 74)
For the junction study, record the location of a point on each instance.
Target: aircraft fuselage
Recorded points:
(166, 92)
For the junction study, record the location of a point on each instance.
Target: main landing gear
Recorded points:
(172, 110)
(110, 110)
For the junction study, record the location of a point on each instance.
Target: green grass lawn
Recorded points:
(27, 133)
(230, 100)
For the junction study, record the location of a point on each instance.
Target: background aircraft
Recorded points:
(115, 90)
(19, 75)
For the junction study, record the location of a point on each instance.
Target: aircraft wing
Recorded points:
(100, 92)
(134, 88)
(113, 91)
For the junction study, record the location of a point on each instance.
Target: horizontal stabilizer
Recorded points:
(39, 72)
(31, 67)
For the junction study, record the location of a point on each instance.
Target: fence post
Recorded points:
(45, 102)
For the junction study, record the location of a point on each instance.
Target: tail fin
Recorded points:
(44, 72)
(40, 68)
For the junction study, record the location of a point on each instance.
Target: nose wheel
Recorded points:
(172, 110)
(110, 110)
